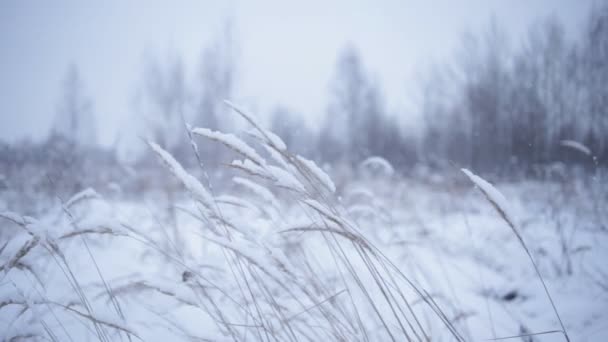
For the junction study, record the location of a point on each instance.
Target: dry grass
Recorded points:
(267, 288)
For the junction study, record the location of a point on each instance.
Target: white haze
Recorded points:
(287, 51)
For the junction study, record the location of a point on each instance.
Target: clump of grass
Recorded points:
(499, 202)
(268, 287)
(265, 278)
(46, 314)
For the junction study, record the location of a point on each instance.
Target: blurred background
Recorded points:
(381, 103)
(428, 85)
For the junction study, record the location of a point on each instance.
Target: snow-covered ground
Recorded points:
(383, 257)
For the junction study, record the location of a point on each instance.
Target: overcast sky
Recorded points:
(287, 48)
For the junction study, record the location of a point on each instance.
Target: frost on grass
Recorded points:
(232, 142)
(495, 197)
(248, 117)
(84, 195)
(319, 174)
(275, 277)
(577, 146)
(257, 189)
(19, 254)
(254, 254)
(14, 217)
(275, 140)
(380, 163)
(192, 184)
(324, 211)
(279, 158)
(277, 175)
(285, 179)
(250, 167)
(270, 138)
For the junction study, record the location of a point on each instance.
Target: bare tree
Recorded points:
(541, 86)
(215, 83)
(293, 130)
(498, 105)
(357, 124)
(75, 120)
(163, 100)
(354, 105)
(594, 61)
(73, 139)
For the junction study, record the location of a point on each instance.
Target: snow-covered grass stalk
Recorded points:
(279, 293)
(40, 314)
(500, 203)
(296, 269)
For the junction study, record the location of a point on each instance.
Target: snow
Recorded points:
(269, 257)
(285, 179)
(318, 173)
(85, 194)
(14, 217)
(261, 191)
(577, 146)
(20, 253)
(275, 140)
(494, 196)
(279, 176)
(233, 200)
(253, 254)
(247, 116)
(248, 166)
(452, 244)
(192, 184)
(380, 163)
(270, 138)
(279, 158)
(232, 142)
(323, 210)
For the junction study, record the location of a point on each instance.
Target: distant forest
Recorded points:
(499, 105)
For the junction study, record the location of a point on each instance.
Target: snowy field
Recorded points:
(281, 252)
(402, 175)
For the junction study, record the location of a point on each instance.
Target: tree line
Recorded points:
(497, 106)
(502, 106)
